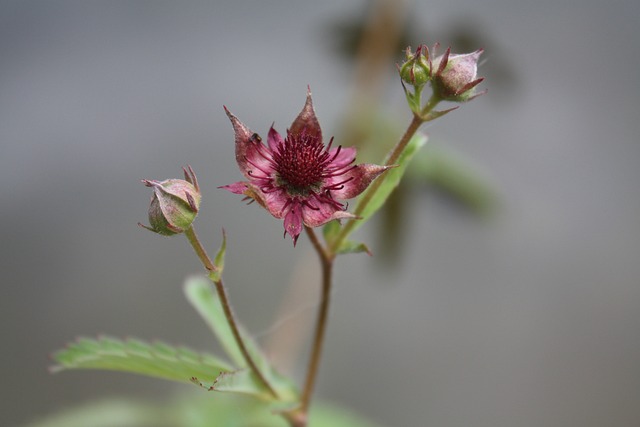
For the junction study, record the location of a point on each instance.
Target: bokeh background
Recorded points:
(528, 316)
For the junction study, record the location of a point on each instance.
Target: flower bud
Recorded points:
(174, 204)
(416, 71)
(456, 76)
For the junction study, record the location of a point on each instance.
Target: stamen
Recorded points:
(339, 185)
(329, 145)
(257, 167)
(327, 199)
(307, 204)
(269, 189)
(265, 153)
(339, 171)
(335, 156)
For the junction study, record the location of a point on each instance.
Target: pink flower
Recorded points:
(297, 178)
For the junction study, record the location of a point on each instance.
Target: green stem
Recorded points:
(200, 251)
(226, 307)
(326, 261)
(327, 256)
(373, 188)
(392, 158)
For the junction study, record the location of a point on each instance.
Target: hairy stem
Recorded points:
(326, 261)
(226, 307)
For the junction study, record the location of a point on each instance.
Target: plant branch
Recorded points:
(199, 249)
(392, 158)
(326, 260)
(226, 307)
(375, 185)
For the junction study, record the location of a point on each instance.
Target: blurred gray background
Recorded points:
(529, 319)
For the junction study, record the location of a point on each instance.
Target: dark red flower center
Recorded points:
(300, 163)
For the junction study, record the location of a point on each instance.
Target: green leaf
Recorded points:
(219, 259)
(392, 178)
(330, 230)
(225, 410)
(111, 413)
(200, 293)
(157, 360)
(185, 410)
(194, 410)
(242, 381)
(458, 176)
(351, 247)
(330, 415)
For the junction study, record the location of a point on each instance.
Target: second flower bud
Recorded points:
(174, 204)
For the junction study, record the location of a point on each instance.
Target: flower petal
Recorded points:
(293, 222)
(345, 157)
(242, 135)
(307, 120)
(252, 156)
(274, 139)
(236, 187)
(275, 202)
(319, 213)
(354, 181)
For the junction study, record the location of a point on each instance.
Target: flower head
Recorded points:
(456, 77)
(416, 70)
(297, 178)
(174, 204)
